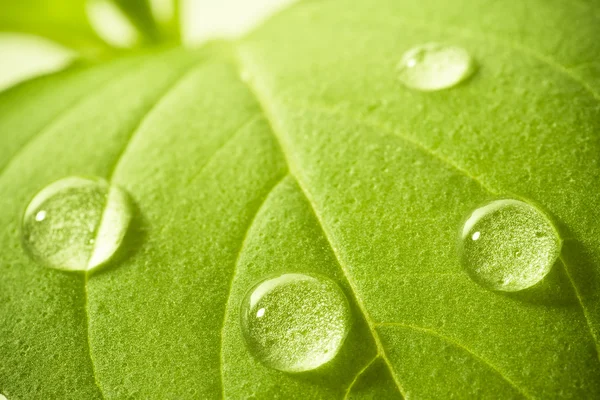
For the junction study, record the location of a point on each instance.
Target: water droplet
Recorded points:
(434, 66)
(76, 223)
(516, 247)
(305, 323)
(2, 397)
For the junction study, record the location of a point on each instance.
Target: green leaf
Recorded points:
(67, 22)
(298, 149)
(64, 21)
(140, 15)
(144, 18)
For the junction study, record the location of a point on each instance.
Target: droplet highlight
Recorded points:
(295, 322)
(434, 66)
(508, 245)
(2, 397)
(76, 223)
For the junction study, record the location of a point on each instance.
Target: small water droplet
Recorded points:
(434, 66)
(517, 246)
(307, 323)
(76, 223)
(476, 235)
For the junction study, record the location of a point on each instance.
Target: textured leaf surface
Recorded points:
(318, 160)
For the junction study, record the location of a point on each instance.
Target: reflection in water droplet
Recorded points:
(40, 216)
(516, 247)
(76, 223)
(434, 66)
(301, 322)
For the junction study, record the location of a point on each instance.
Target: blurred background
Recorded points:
(42, 36)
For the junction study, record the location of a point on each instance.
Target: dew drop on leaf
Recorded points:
(295, 322)
(508, 245)
(434, 66)
(76, 223)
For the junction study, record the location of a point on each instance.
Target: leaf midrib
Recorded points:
(264, 103)
(371, 324)
(271, 120)
(437, 155)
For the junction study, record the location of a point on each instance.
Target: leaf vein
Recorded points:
(406, 138)
(434, 333)
(358, 375)
(235, 133)
(293, 171)
(551, 62)
(169, 89)
(54, 121)
(382, 127)
(235, 269)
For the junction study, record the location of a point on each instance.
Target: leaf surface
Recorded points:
(297, 149)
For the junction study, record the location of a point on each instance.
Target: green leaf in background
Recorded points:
(144, 18)
(64, 21)
(68, 22)
(297, 149)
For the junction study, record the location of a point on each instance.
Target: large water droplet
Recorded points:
(295, 322)
(508, 245)
(76, 223)
(434, 66)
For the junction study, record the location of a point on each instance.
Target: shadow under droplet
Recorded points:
(580, 267)
(133, 240)
(554, 290)
(558, 287)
